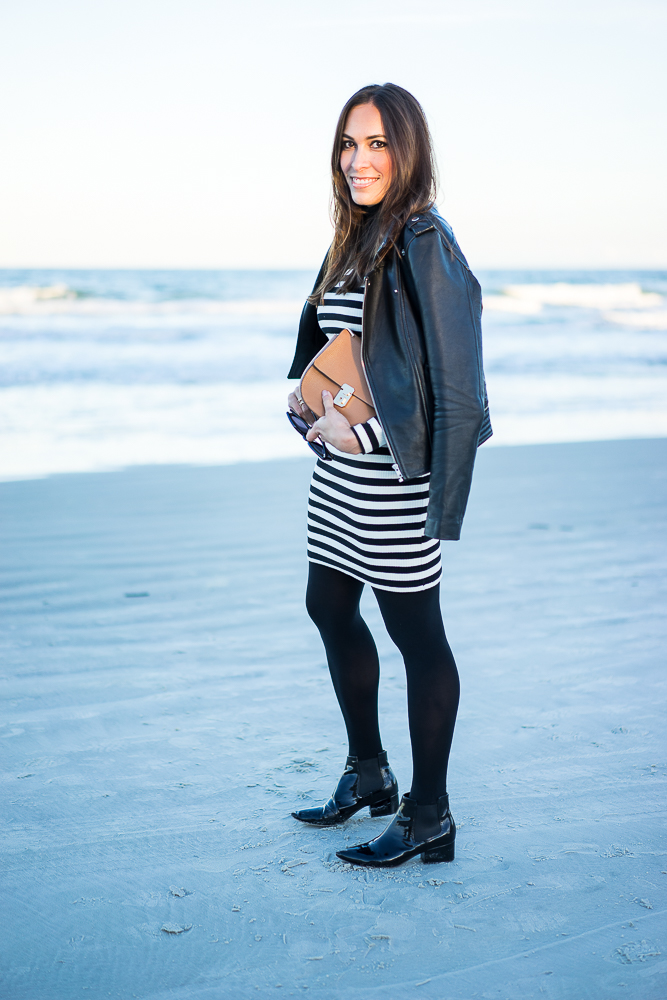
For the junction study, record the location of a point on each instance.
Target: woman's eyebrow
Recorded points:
(380, 135)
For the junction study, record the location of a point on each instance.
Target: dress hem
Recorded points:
(377, 586)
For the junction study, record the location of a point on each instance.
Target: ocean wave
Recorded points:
(25, 298)
(508, 304)
(650, 320)
(520, 299)
(608, 296)
(59, 300)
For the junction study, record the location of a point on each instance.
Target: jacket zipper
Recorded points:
(396, 467)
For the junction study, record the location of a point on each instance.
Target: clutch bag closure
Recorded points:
(338, 367)
(344, 395)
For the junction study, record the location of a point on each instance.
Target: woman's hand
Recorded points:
(303, 411)
(334, 428)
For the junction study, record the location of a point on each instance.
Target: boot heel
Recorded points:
(436, 854)
(386, 808)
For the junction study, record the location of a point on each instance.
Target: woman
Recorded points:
(391, 488)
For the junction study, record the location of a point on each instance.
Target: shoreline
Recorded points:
(492, 443)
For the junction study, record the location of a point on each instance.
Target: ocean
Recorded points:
(103, 369)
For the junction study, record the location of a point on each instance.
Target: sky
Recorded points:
(196, 133)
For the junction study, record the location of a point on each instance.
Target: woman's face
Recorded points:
(365, 159)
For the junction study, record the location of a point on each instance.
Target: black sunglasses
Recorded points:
(300, 425)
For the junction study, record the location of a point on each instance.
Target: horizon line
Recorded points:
(314, 267)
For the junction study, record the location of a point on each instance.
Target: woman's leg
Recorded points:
(414, 622)
(332, 601)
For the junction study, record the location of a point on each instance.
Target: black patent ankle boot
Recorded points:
(363, 783)
(428, 830)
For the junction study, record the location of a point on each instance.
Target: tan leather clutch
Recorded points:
(338, 368)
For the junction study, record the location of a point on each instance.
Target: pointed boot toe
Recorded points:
(369, 783)
(428, 830)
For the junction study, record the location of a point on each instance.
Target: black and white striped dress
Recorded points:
(361, 519)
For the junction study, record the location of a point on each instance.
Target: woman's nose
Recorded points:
(360, 159)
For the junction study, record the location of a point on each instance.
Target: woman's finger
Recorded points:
(331, 414)
(293, 401)
(313, 433)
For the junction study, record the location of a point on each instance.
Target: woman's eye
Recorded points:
(378, 144)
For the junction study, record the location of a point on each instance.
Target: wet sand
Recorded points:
(166, 704)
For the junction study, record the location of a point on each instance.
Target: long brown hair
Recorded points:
(360, 241)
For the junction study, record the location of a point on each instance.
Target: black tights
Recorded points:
(414, 623)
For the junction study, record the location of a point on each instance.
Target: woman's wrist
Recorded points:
(346, 441)
(359, 443)
(370, 436)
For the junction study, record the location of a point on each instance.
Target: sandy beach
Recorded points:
(166, 705)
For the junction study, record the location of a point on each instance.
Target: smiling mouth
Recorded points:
(363, 182)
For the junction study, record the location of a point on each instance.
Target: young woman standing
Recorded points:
(392, 487)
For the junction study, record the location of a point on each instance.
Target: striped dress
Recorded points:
(361, 519)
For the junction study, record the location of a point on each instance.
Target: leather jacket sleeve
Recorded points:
(310, 339)
(447, 299)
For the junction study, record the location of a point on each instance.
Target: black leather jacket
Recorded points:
(422, 352)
